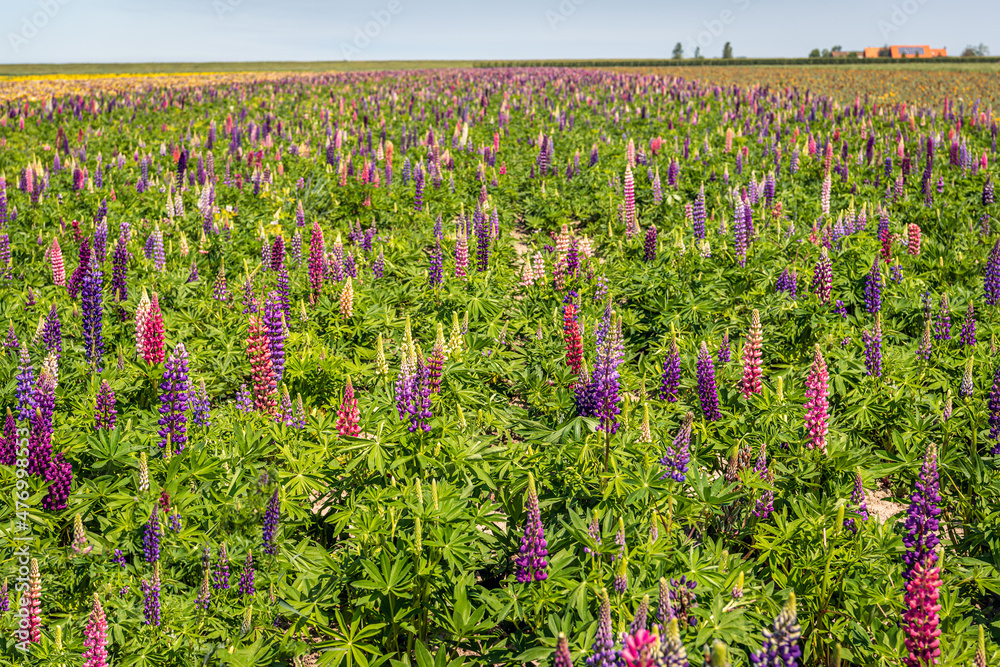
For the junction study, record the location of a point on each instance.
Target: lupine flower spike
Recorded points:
(751, 357)
(532, 563)
(816, 403)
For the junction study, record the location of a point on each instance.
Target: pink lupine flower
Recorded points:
(816, 403)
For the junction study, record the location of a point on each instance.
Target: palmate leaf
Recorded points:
(351, 643)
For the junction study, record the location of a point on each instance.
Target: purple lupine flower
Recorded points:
(483, 240)
(765, 502)
(649, 246)
(994, 407)
(119, 558)
(873, 349)
(274, 323)
(781, 644)
(707, 393)
(873, 288)
(619, 540)
(119, 267)
(641, 616)
(193, 271)
(605, 378)
(271, 517)
(52, 332)
(159, 259)
(200, 406)
(175, 521)
(40, 438)
(243, 400)
(859, 500)
(105, 413)
(683, 599)
(966, 388)
(969, 327)
(602, 651)
(740, 232)
(151, 597)
(278, 253)
(436, 270)
(11, 341)
(594, 531)
(60, 478)
(788, 283)
(101, 236)
(677, 456)
(671, 382)
(221, 574)
(921, 538)
(942, 327)
(725, 349)
(8, 440)
(822, 283)
(25, 385)
(174, 394)
(93, 312)
(531, 564)
(698, 216)
(151, 537)
(247, 588)
(76, 280)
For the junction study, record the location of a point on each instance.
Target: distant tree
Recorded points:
(697, 53)
(814, 53)
(973, 50)
(837, 47)
(727, 50)
(825, 53)
(678, 51)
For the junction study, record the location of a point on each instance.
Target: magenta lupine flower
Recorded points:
(676, 457)
(823, 277)
(873, 288)
(920, 618)
(275, 325)
(994, 407)
(105, 413)
(942, 327)
(708, 394)
(969, 327)
(649, 246)
(271, 517)
(671, 381)
(95, 640)
(602, 651)
(174, 395)
(922, 523)
(25, 385)
(781, 643)
(40, 439)
(93, 313)
(247, 588)
(278, 253)
(60, 479)
(8, 440)
(531, 563)
(316, 270)
(816, 404)
(751, 357)
(562, 657)
(991, 276)
(873, 349)
(4, 595)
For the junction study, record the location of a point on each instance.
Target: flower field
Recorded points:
(491, 367)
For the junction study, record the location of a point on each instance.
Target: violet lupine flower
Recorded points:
(920, 618)
(610, 355)
(531, 563)
(435, 272)
(641, 616)
(243, 399)
(562, 657)
(922, 523)
(247, 588)
(151, 537)
(671, 381)
(698, 216)
(378, 266)
(859, 500)
(105, 413)
(683, 599)
(221, 574)
(873, 289)
(742, 243)
(95, 640)
(969, 327)
(174, 395)
(159, 259)
(649, 246)
(275, 324)
(765, 502)
(677, 456)
(11, 341)
(5, 598)
(816, 404)
(602, 651)
(200, 406)
(942, 327)
(966, 388)
(25, 385)
(594, 532)
(788, 283)
(994, 408)
(8, 441)
(413, 390)
(278, 253)
(40, 438)
(271, 517)
(101, 240)
(60, 478)
(781, 644)
(873, 349)
(708, 394)
(76, 280)
(823, 277)
(151, 597)
(193, 272)
(52, 332)
(483, 242)
(751, 383)
(93, 312)
(418, 189)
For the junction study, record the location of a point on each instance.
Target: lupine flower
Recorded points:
(483, 241)
(788, 283)
(966, 388)
(60, 478)
(220, 289)
(610, 355)
(461, 254)
(571, 335)
(40, 438)
(781, 644)
(8, 441)
(151, 537)
(683, 599)
(765, 502)
(159, 259)
(93, 311)
(621, 576)
(645, 434)
(243, 399)
(946, 411)
(152, 333)
(823, 277)
(79, 543)
(921, 538)
(594, 531)
(742, 242)
(204, 594)
(413, 388)
(751, 357)
(708, 394)
(200, 406)
(104, 414)
(640, 619)
(994, 408)
(991, 276)
(859, 500)
(174, 394)
(698, 214)
(816, 404)
(347, 299)
(25, 385)
(913, 238)
(31, 604)
(562, 657)
(631, 222)
(969, 327)
(95, 640)
(52, 332)
(316, 262)
(247, 588)
(221, 573)
(649, 246)
(348, 416)
(274, 323)
(436, 270)
(143, 473)
(4, 597)
(942, 328)
(671, 651)
(602, 651)
(265, 388)
(151, 597)
(531, 563)
(76, 280)
(920, 618)
(56, 260)
(873, 289)
(271, 517)
(873, 348)
(677, 456)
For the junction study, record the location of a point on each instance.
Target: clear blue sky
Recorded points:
(56, 31)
